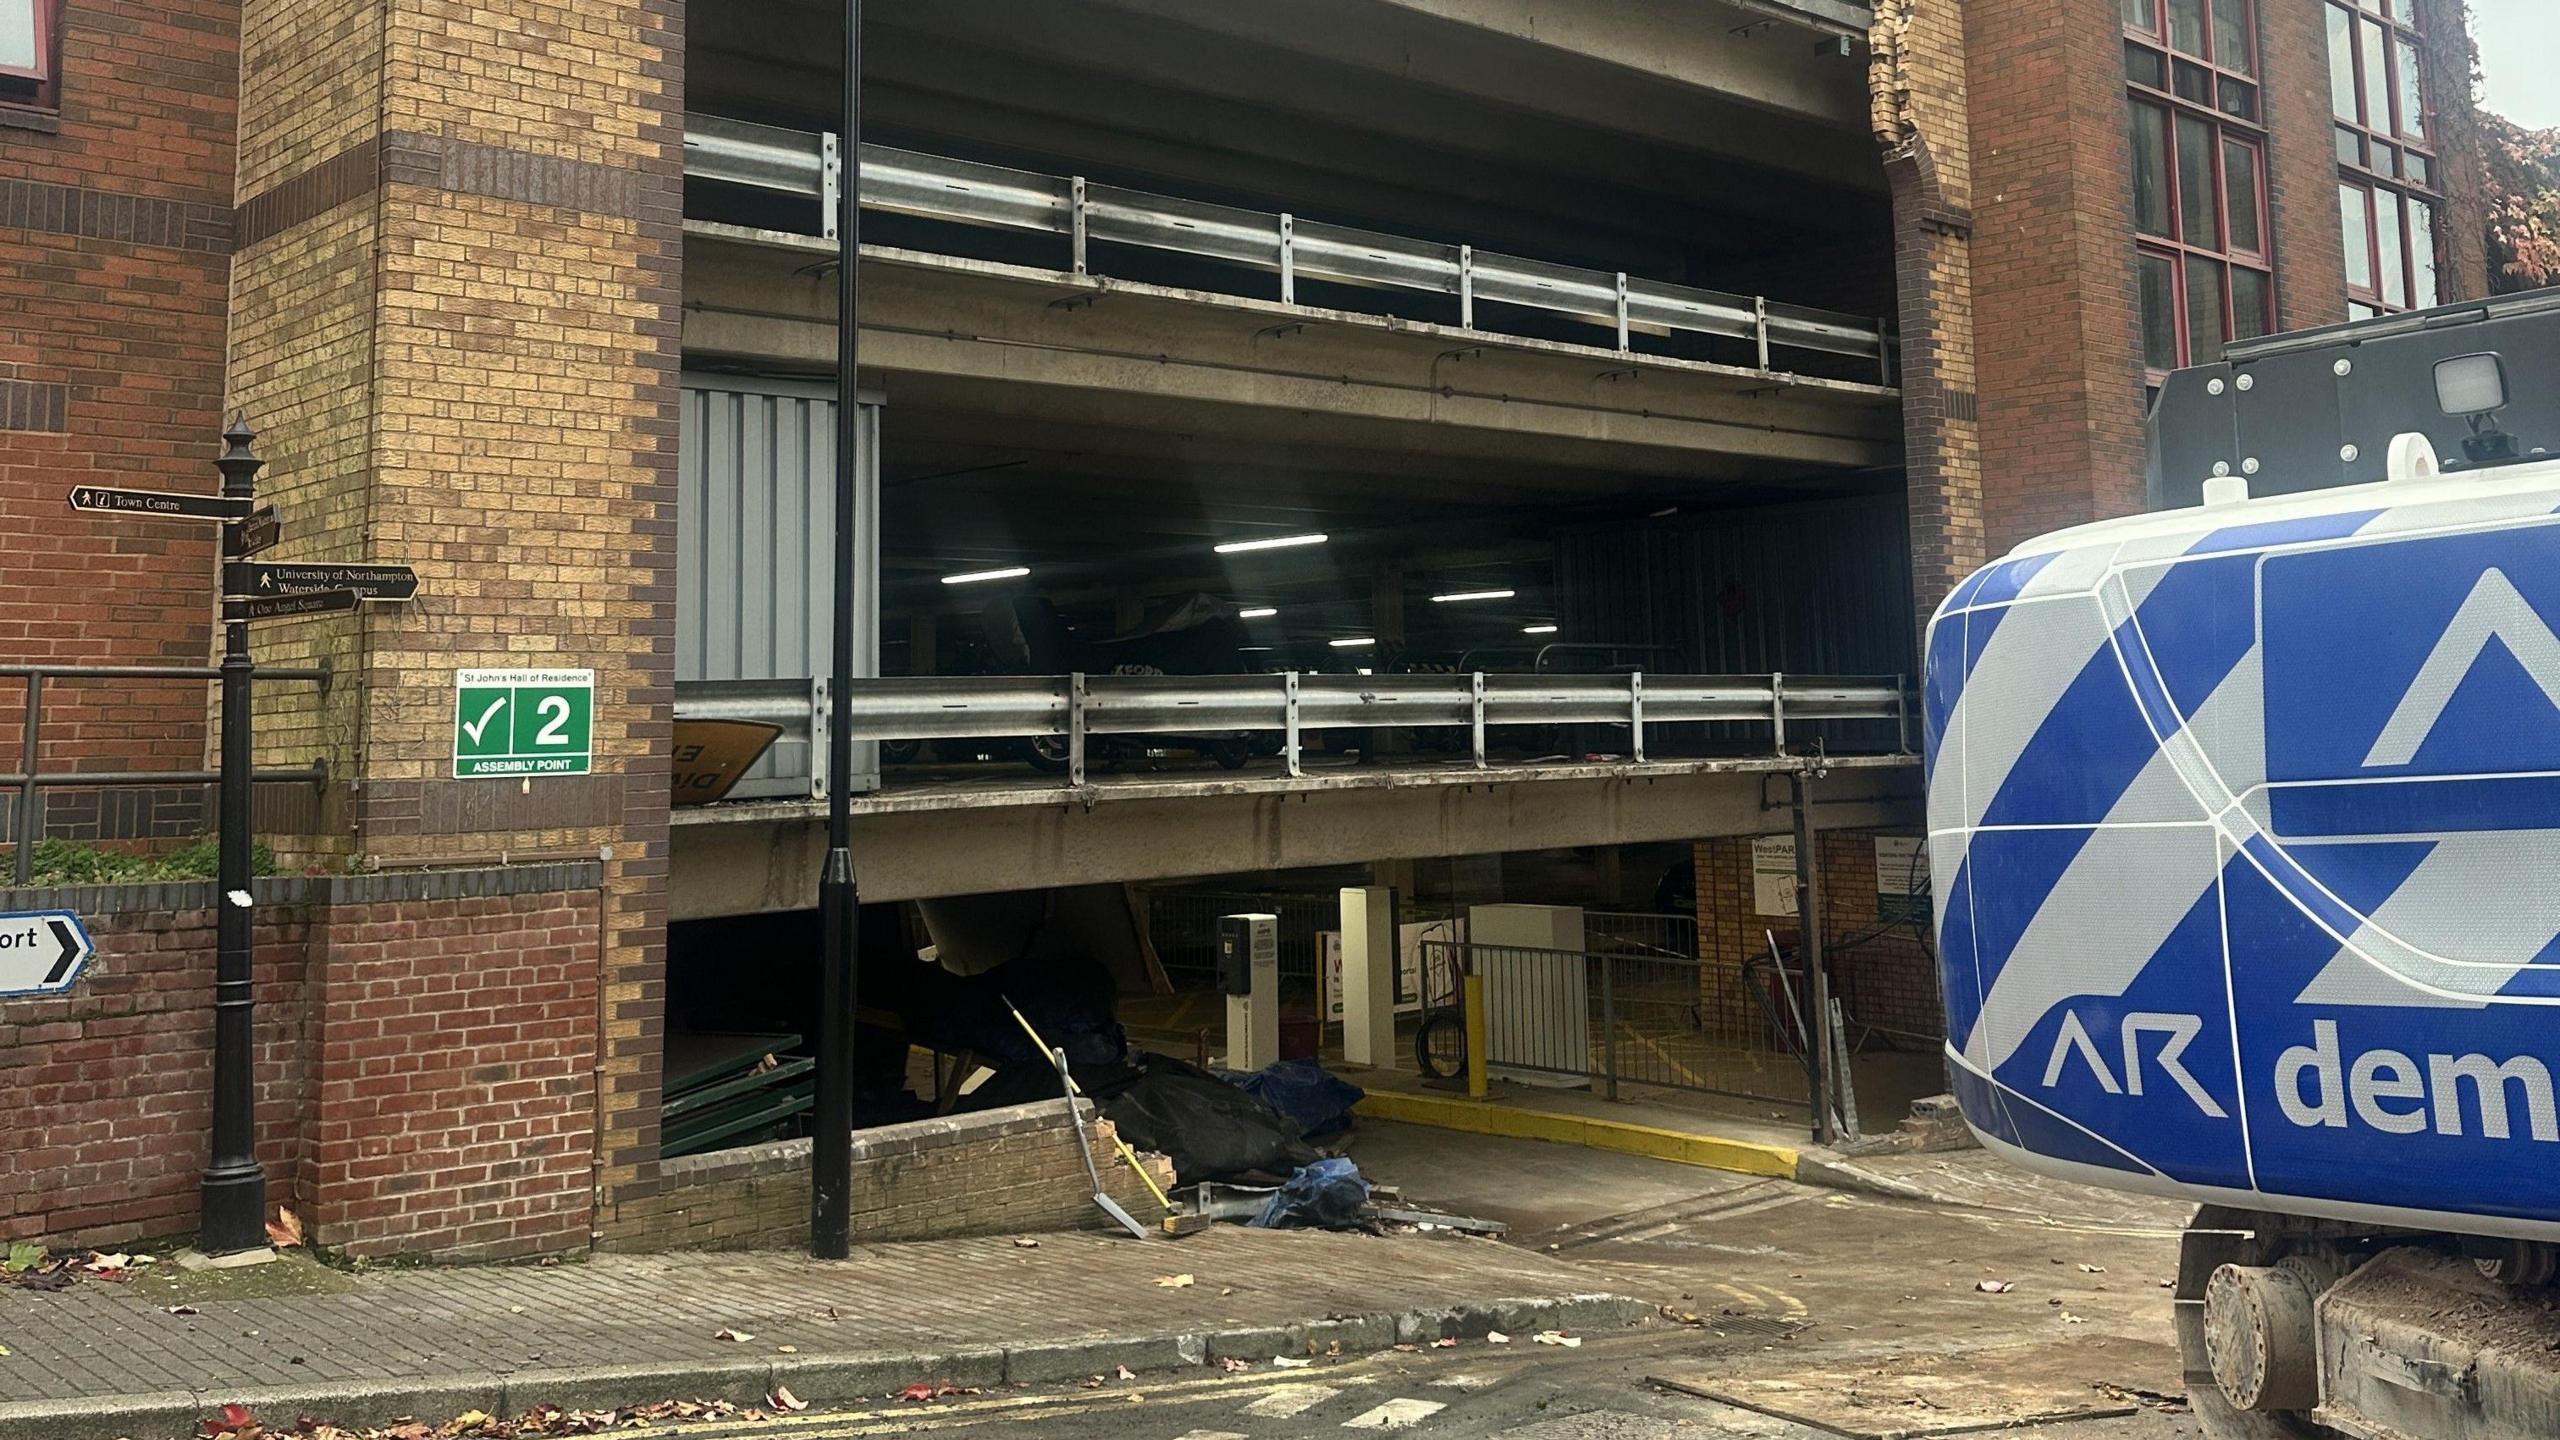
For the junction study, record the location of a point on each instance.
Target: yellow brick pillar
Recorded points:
(455, 311)
(1918, 92)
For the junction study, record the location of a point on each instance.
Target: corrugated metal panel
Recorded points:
(755, 479)
(1822, 587)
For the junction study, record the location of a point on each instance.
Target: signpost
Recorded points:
(261, 530)
(523, 722)
(393, 583)
(41, 951)
(159, 504)
(282, 607)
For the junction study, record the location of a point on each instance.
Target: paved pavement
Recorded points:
(628, 1329)
(1786, 1297)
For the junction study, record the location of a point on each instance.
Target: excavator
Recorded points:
(2244, 822)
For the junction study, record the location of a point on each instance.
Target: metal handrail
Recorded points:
(1074, 707)
(31, 783)
(802, 163)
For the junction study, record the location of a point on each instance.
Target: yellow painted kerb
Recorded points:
(1714, 1152)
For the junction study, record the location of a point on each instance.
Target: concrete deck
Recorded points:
(997, 828)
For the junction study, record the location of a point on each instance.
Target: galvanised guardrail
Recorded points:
(810, 164)
(1075, 708)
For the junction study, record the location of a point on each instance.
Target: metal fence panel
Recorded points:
(755, 504)
(1653, 1020)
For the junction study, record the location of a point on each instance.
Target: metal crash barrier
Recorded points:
(806, 164)
(1075, 708)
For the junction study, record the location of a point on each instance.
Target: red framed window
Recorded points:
(2389, 188)
(27, 52)
(2202, 250)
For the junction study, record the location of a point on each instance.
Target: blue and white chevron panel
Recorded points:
(2245, 827)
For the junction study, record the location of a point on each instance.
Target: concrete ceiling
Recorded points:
(1657, 136)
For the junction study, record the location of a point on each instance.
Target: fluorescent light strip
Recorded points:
(1277, 542)
(1465, 595)
(1010, 572)
(1537, 629)
(1258, 612)
(1353, 644)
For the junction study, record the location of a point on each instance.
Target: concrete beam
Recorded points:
(958, 334)
(1640, 58)
(735, 860)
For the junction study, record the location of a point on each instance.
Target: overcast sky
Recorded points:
(2520, 58)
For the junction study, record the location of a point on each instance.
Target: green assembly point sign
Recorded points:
(523, 722)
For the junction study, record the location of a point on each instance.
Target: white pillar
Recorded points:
(1251, 944)
(1368, 975)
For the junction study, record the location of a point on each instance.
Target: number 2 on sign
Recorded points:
(557, 707)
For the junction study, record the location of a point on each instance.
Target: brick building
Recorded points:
(459, 268)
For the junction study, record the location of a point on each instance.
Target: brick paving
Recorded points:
(98, 1340)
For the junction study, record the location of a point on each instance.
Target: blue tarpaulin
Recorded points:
(1312, 1098)
(1328, 1194)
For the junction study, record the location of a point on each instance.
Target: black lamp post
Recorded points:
(839, 906)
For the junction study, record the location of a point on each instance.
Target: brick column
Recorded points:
(1918, 86)
(2302, 164)
(455, 319)
(2056, 327)
(2452, 60)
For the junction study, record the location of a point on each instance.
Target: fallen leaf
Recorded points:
(1558, 1337)
(1231, 1364)
(1025, 1242)
(1496, 1337)
(285, 1231)
(1445, 1342)
(2070, 1319)
(515, 1309)
(1176, 1282)
(2093, 1269)
(782, 1399)
(1123, 1372)
(179, 1309)
(1290, 1362)
(738, 1337)
(1134, 1398)
(916, 1392)
(110, 1262)
(1995, 1287)
(1407, 1349)
(1230, 1290)
(786, 1349)
(24, 1256)
(469, 1418)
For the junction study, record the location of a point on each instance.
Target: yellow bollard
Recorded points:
(1478, 1087)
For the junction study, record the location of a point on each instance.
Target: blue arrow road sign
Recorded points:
(41, 951)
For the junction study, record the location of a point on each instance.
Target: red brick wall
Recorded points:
(106, 1092)
(115, 231)
(2302, 164)
(454, 1076)
(426, 1073)
(2053, 278)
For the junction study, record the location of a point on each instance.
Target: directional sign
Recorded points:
(523, 722)
(41, 951)
(279, 607)
(372, 582)
(260, 530)
(157, 504)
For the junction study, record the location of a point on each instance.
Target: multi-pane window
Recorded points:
(2388, 186)
(2199, 177)
(26, 52)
